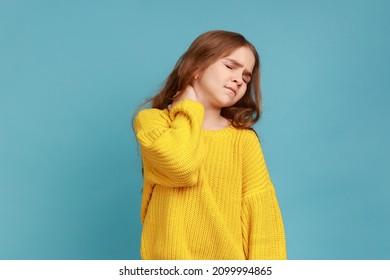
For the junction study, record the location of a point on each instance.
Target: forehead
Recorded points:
(244, 56)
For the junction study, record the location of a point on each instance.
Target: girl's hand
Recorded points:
(187, 93)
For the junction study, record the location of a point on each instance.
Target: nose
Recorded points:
(237, 79)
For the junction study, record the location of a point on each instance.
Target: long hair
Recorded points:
(204, 51)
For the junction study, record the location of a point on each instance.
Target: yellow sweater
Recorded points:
(207, 194)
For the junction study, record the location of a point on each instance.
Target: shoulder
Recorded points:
(249, 139)
(249, 135)
(152, 113)
(146, 116)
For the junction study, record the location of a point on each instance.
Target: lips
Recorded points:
(233, 90)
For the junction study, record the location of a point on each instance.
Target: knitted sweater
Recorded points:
(206, 194)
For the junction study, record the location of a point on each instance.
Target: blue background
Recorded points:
(72, 72)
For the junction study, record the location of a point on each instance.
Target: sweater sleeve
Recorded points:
(263, 230)
(169, 143)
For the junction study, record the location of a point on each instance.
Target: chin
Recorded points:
(227, 104)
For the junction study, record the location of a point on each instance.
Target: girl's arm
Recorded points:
(170, 143)
(263, 230)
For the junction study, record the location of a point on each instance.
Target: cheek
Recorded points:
(242, 93)
(243, 90)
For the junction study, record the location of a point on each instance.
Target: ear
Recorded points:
(195, 76)
(195, 80)
(196, 73)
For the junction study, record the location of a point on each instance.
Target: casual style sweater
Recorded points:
(207, 195)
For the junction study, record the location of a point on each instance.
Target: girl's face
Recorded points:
(225, 81)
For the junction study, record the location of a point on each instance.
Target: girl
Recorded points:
(207, 192)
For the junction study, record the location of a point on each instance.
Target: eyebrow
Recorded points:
(236, 63)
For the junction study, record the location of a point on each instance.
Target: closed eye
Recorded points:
(228, 66)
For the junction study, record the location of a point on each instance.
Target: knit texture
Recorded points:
(207, 194)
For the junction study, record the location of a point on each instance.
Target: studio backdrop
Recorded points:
(73, 72)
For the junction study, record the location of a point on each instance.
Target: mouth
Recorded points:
(233, 90)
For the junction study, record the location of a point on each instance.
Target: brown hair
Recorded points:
(205, 50)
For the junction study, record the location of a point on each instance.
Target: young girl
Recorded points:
(207, 193)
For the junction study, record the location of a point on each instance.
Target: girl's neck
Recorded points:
(213, 120)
